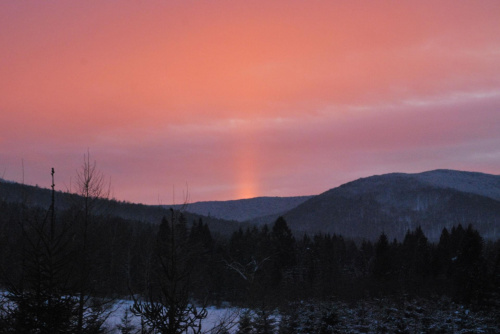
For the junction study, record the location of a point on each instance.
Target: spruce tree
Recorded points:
(41, 299)
(264, 322)
(245, 323)
(168, 308)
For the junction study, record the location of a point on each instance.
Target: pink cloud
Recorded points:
(247, 98)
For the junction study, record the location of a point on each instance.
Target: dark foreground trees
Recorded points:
(174, 298)
(459, 266)
(42, 291)
(167, 306)
(39, 296)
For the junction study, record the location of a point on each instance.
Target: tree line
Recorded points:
(257, 267)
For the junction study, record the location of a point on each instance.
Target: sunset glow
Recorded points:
(240, 99)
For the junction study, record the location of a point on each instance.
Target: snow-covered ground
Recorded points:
(400, 315)
(396, 315)
(367, 316)
(216, 317)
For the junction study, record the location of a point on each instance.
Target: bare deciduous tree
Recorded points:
(92, 188)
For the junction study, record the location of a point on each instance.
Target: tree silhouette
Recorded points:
(92, 187)
(168, 308)
(382, 263)
(42, 300)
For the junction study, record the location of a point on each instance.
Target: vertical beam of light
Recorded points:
(246, 162)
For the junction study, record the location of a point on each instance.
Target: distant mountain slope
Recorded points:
(391, 203)
(246, 209)
(41, 197)
(470, 182)
(396, 202)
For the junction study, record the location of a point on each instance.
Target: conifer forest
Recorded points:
(63, 270)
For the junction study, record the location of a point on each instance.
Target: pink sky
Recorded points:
(236, 99)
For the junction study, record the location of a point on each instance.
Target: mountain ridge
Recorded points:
(397, 202)
(364, 208)
(242, 210)
(473, 182)
(34, 196)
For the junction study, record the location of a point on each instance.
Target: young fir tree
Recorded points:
(126, 326)
(245, 323)
(264, 322)
(41, 300)
(168, 308)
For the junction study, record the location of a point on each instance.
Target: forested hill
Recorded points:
(34, 196)
(391, 203)
(246, 209)
(395, 203)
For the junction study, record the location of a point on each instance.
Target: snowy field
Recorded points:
(365, 316)
(216, 317)
(373, 316)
